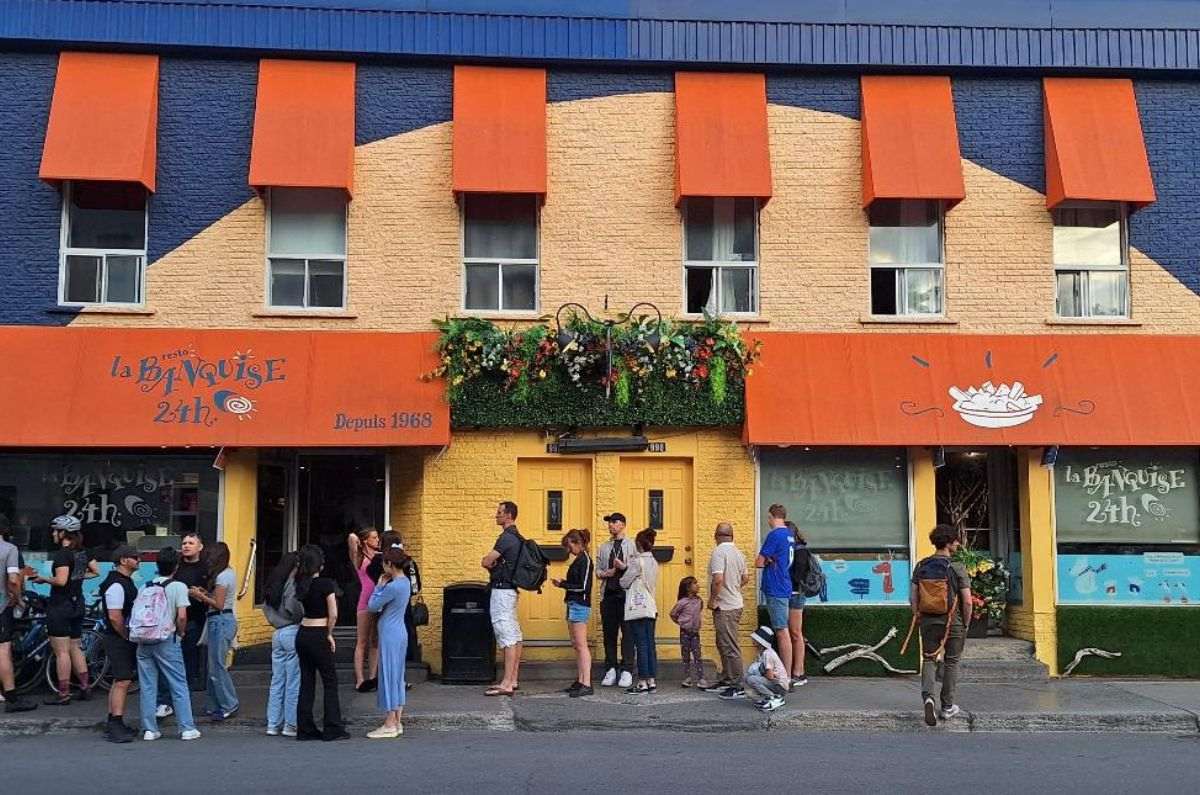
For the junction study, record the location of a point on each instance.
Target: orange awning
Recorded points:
(910, 140)
(722, 147)
(103, 119)
(499, 130)
(303, 125)
(896, 389)
(1094, 145)
(110, 387)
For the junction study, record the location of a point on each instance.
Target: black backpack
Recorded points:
(531, 567)
(805, 571)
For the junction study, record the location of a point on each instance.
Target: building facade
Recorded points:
(965, 245)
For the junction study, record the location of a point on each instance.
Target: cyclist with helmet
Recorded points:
(70, 566)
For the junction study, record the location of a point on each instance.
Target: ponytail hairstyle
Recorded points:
(74, 539)
(580, 535)
(797, 536)
(312, 560)
(645, 540)
(395, 556)
(277, 579)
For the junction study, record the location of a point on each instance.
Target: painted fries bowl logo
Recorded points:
(991, 406)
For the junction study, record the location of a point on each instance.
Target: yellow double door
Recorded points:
(556, 495)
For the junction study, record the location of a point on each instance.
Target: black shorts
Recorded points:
(6, 625)
(64, 622)
(122, 656)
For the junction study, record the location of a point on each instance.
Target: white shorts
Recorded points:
(505, 625)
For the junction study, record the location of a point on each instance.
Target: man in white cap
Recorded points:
(767, 677)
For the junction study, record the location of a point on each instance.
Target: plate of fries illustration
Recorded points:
(991, 406)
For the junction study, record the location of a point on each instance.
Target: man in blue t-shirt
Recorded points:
(775, 559)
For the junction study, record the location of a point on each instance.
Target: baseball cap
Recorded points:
(615, 517)
(763, 636)
(124, 551)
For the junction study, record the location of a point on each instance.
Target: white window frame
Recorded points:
(536, 262)
(902, 270)
(65, 251)
(342, 257)
(719, 265)
(1085, 270)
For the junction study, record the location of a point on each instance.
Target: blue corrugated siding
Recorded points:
(579, 38)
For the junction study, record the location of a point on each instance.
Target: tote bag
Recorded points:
(639, 601)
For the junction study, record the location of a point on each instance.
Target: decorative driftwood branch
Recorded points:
(864, 652)
(1091, 651)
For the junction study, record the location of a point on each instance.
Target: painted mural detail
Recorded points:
(116, 496)
(991, 406)
(199, 391)
(1150, 578)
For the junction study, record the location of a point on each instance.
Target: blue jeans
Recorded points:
(285, 678)
(193, 661)
(222, 697)
(164, 658)
(642, 630)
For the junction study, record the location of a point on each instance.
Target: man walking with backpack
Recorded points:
(119, 595)
(157, 624)
(941, 603)
(500, 563)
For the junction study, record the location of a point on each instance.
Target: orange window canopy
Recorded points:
(103, 123)
(303, 125)
(499, 133)
(910, 139)
(1094, 145)
(722, 144)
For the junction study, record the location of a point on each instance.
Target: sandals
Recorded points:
(497, 691)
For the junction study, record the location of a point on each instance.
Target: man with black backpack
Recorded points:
(501, 563)
(119, 594)
(941, 605)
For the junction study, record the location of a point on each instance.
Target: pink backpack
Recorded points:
(152, 619)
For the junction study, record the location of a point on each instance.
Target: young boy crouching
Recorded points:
(766, 676)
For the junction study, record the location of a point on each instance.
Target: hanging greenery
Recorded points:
(592, 375)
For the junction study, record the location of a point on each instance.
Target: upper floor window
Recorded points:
(907, 265)
(500, 252)
(1091, 263)
(103, 259)
(306, 248)
(721, 256)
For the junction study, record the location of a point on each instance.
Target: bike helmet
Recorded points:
(65, 524)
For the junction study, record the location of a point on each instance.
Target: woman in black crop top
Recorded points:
(315, 647)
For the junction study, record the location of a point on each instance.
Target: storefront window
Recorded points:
(852, 506)
(1128, 525)
(145, 500)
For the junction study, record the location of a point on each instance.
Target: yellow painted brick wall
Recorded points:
(460, 487)
(609, 227)
(239, 526)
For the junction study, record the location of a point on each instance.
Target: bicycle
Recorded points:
(33, 658)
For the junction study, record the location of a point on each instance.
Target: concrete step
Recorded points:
(1015, 671)
(1013, 649)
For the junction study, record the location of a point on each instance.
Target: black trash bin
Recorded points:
(468, 645)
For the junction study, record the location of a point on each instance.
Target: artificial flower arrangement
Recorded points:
(989, 583)
(621, 358)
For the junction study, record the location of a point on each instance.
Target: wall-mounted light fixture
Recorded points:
(1049, 456)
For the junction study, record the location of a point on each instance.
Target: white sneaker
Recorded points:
(164, 711)
(190, 734)
(289, 731)
(149, 735)
(773, 704)
(930, 715)
(272, 731)
(949, 712)
(610, 678)
(626, 679)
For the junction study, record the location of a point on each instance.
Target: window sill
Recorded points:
(907, 320)
(322, 314)
(1093, 321)
(131, 311)
(467, 314)
(741, 320)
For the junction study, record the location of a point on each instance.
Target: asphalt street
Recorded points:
(612, 762)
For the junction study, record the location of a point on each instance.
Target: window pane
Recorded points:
(883, 291)
(904, 232)
(737, 289)
(287, 282)
(325, 283)
(500, 226)
(1106, 291)
(110, 215)
(701, 291)
(483, 287)
(1088, 236)
(1068, 300)
(923, 291)
(83, 280)
(124, 279)
(307, 222)
(720, 230)
(520, 287)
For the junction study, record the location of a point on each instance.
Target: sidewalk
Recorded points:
(826, 704)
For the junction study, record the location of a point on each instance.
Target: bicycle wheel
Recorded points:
(97, 664)
(29, 670)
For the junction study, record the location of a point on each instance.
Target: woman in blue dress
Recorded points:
(389, 600)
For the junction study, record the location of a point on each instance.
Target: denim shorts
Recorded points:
(796, 602)
(777, 609)
(578, 614)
